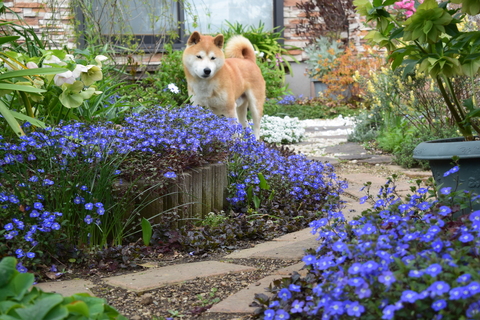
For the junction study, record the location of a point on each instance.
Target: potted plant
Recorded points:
(322, 56)
(427, 38)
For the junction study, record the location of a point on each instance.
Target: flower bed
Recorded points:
(57, 192)
(416, 258)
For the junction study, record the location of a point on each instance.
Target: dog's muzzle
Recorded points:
(206, 72)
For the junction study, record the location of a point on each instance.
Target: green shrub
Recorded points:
(18, 300)
(274, 80)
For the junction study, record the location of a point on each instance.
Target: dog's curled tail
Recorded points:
(240, 47)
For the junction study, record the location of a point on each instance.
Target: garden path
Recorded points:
(326, 141)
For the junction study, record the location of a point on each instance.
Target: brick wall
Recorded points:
(52, 25)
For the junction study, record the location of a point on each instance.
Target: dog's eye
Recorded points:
(199, 57)
(213, 58)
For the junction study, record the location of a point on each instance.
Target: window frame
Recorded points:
(180, 43)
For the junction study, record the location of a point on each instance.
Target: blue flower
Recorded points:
(446, 190)
(38, 205)
(473, 310)
(439, 305)
(474, 287)
(284, 294)
(309, 259)
(8, 226)
(363, 292)
(297, 306)
(336, 307)
(88, 219)
(281, 315)
(387, 278)
(19, 253)
(433, 270)
(464, 278)
(465, 237)
(356, 282)
(355, 268)
(269, 314)
(444, 210)
(475, 216)
(388, 312)
(369, 266)
(456, 293)
(30, 255)
(89, 206)
(355, 309)
(409, 296)
(415, 273)
(170, 174)
(294, 288)
(439, 288)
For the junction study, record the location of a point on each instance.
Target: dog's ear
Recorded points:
(218, 41)
(194, 38)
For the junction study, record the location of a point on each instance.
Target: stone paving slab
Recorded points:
(67, 288)
(286, 271)
(240, 302)
(293, 250)
(158, 277)
(303, 234)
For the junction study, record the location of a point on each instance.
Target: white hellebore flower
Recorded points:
(69, 76)
(32, 65)
(53, 60)
(173, 88)
(99, 59)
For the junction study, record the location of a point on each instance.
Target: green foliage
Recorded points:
(307, 108)
(266, 42)
(146, 231)
(274, 79)
(261, 194)
(19, 301)
(322, 55)
(209, 299)
(431, 42)
(366, 128)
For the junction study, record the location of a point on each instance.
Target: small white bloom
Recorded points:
(53, 60)
(64, 77)
(32, 65)
(100, 58)
(173, 88)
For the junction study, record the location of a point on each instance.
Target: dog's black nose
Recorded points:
(207, 71)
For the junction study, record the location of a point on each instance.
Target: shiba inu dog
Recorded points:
(228, 83)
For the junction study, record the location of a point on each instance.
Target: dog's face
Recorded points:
(203, 56)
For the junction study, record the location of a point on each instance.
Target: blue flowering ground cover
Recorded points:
(412, 258)
(70, 189)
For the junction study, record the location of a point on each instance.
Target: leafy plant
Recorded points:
(146, 231)
(322, 56)
(268, 44)
(430, 42)
(20, 301)
(210, 299)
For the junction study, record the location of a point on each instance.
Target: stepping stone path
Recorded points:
(326, 141)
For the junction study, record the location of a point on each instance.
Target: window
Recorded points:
(210, 15)
(152, 22)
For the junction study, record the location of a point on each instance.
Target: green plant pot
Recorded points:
(439, 153)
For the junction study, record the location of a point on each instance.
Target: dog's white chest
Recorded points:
(209, 96)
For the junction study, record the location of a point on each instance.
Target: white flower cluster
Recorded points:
(281, 130)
